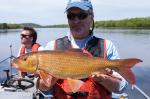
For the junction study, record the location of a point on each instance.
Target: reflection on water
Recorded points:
(130, 43)
(125, 31)
(3, 31)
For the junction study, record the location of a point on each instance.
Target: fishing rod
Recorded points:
(10, 57)
(10, 61)
(142, 92)
(4, 60)
(8, 71)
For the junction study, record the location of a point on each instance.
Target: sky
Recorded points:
(50, 12)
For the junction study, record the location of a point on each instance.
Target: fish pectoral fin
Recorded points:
(45, 77)
(75, 84)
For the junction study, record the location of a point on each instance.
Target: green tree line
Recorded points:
(126, 23)
(18, 26)
(9, 26)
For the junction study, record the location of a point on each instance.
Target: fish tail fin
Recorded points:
(129, 63)
(128, 75)
(125, 69)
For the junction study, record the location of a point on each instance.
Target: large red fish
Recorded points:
(72, 64)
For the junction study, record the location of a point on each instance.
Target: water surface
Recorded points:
(130, 43)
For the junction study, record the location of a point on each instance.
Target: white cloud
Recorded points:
(52, 11)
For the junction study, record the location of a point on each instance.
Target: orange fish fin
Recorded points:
(75, 84)
(74, 50)
(79, 51)
(87, 52)
(128, 75)
(129, 63)
(125, 69)
(45, 77)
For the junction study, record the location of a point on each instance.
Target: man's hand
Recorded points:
(99, 77)
(106, 79)
(43, 87)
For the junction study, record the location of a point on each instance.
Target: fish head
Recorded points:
(26, 63)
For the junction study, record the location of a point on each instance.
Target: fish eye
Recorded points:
(24, 58)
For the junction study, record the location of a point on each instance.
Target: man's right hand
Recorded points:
(45, 87)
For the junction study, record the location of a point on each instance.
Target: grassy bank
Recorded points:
(18, 26)
(126, 23)
(132, 23)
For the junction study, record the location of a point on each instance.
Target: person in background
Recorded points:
(99, 86)
(28, 43)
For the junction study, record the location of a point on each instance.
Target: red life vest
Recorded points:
(34, 49)
(90, 89)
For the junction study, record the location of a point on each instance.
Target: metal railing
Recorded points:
(142, 92)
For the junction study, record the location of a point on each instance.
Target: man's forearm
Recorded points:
(110, 83)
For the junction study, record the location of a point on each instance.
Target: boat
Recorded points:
(11, 85)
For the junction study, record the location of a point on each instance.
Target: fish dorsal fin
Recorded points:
(82, 51)
(75, 84)
(74, 50)
(87, 52)
(45, 77)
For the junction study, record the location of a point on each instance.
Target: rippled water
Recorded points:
(130, 43)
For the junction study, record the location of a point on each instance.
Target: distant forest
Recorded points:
(18, 26)
(126, 23)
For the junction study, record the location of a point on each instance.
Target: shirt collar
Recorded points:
(78, 43)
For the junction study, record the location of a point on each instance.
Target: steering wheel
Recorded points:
(21, 83)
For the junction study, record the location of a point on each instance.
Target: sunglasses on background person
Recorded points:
(80, 16)
(25, 36)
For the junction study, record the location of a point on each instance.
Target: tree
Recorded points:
(4, 26)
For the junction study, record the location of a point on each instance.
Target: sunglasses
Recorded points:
(25, 36)
(80, 16)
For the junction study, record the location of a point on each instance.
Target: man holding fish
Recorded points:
(79, 74)
(81, 22)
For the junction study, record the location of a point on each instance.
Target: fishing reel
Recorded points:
(20, 83)
(17, 83)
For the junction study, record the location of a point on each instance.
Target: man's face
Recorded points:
(26, 37)
(79, 22)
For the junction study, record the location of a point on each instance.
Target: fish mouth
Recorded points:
(14, 64)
